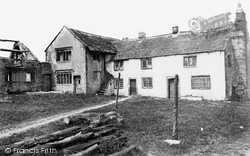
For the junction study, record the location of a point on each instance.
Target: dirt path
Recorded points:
(33, 124)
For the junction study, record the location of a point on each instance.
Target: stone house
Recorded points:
(22, 72)
(212, 66)
(78, 60)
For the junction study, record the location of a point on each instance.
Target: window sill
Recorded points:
(64, 84)
(63, 61)
(146, 68)
(189, 66)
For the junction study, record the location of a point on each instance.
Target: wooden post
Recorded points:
(175, 109)
(74, 86)
(117, 93)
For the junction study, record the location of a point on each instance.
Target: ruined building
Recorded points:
(21, 71)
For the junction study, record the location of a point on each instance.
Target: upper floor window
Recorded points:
(189, 61)
(96, 57)
(201, 82)
(147, 82)
(118, 65)
(146, 63)
(63, 54)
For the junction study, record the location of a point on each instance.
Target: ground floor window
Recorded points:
(147, 82)
(64, 78)
(20, 76)
(120, 84)
(201, 82)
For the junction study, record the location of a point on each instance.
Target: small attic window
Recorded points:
(96, 57)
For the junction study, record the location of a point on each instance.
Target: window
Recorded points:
(64, 78)
(118, 65)
(120, 84)
(200, 82)
(19, 76)
(96, 57)
(146, 63)
(147, 82)
(189, 61)
(63, 54)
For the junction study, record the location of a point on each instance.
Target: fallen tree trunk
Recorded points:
(123, 152)
(102, 135)
(100, 141)
(88, 151)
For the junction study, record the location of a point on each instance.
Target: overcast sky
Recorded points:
(37, 22)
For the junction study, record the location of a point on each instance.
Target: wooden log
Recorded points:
(104, 120)
(97, 129)
(88, 151)
(105, 132)
(113, 145)
(69, 141)
(55, 136)
(32, 142)
(123, 152)
(79, 147)
(100, 141)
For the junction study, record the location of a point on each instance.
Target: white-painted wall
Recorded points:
(165, 67)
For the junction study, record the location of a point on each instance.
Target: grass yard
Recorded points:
(30, 107)
(205, 128)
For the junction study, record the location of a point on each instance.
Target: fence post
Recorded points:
(175, 109)
(117, 93)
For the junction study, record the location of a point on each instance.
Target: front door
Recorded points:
(77, 83)
(46, 82)
(132, 88)
(170, 88)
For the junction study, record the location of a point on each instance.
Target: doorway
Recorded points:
(170, 88)
(47, 82)
(132, 88)
(77, 83)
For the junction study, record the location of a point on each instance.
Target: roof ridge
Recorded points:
(106, 37)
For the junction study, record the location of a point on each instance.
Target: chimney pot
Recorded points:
(142, 35)
(175, 29)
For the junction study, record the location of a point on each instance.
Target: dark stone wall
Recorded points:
(36, 68)
(235, 66)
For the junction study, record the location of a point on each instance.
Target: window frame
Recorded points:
(64, 78)
(203, 84)
(64, 54)
(96, 56)
(120, 66)
(148, 79)
(121, 83)
(148, 63)
(187, 64)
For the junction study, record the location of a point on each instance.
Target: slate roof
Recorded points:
(166, 45)
(95, 42)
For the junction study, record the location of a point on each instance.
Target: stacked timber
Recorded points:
(103, 135)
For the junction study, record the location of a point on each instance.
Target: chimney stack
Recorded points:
(175, 30)
(142, 35)
(240, 19)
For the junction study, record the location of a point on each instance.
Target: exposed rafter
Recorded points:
(12, 50)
